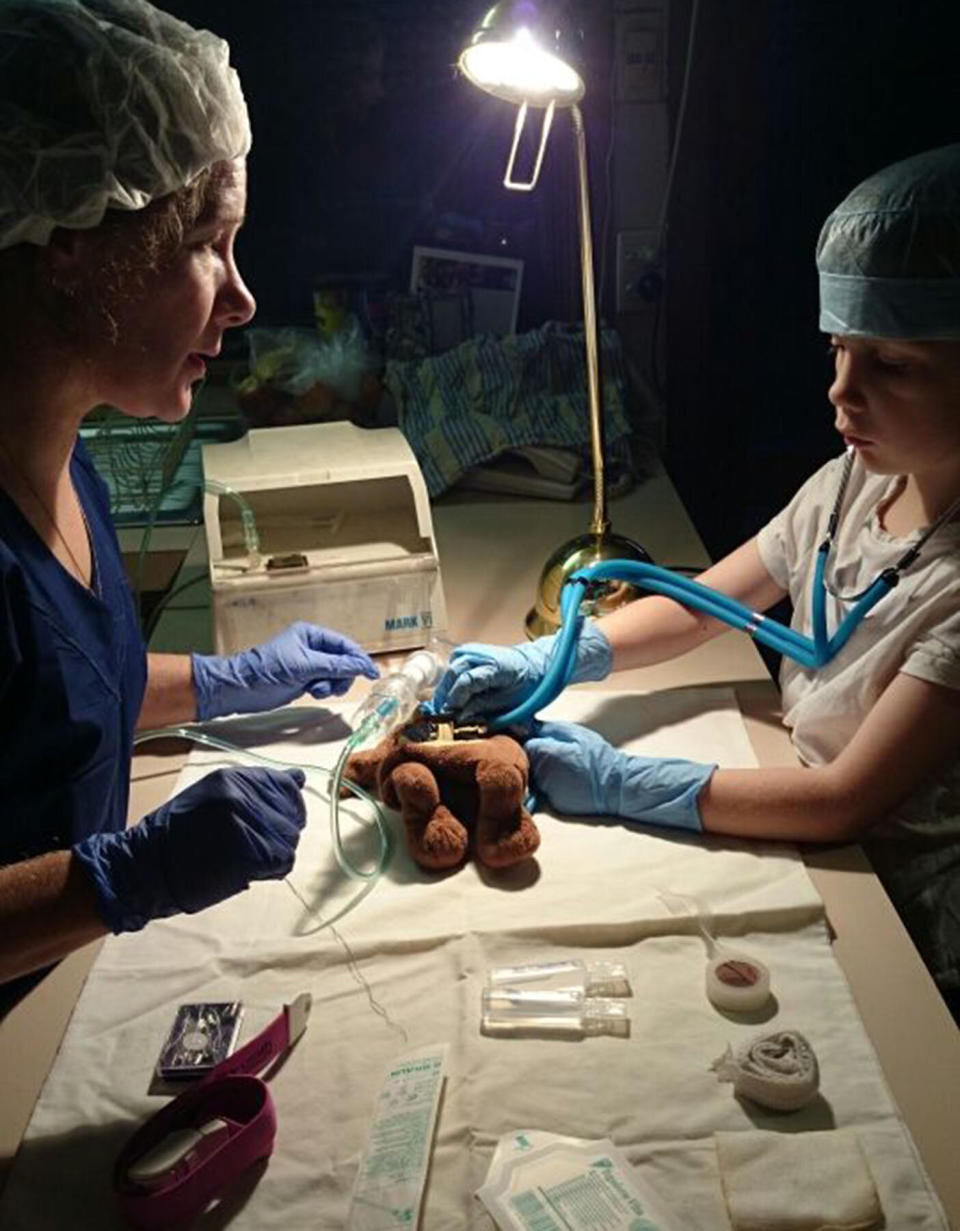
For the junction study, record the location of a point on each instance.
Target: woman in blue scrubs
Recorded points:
(122, 189)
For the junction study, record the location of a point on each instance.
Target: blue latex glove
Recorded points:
(303, 658)
(582, 775)
(204, 845)
(492, 679)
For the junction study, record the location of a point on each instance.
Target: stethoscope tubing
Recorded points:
(810, 652)
(813, 653)
(825, 648)
(659, 580)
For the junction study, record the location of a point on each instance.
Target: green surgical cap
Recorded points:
(889, 255)
(104, 105)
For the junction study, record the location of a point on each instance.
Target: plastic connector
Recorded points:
(392, 699)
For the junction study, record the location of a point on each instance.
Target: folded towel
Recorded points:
(777, 1070)
(803, 1182)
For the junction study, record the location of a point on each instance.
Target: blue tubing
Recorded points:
(811, 652)
(562, 661)
(819, 604)
(695, 594)
(826, 647)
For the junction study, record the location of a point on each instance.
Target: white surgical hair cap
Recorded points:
(107, 104)
(889, 255)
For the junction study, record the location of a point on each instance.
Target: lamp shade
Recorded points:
(525, 52)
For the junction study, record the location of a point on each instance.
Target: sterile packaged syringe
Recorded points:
(527, 1011)
(388, 1190)
(573, 974)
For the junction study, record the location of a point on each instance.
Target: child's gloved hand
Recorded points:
(303, 658)
(206, 844)
(492, 679)
(583, 775)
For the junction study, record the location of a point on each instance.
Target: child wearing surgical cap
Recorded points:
(878, 727)
(123, 133)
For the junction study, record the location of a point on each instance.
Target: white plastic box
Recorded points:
(345, 537)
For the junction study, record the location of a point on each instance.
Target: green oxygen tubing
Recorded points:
(391, 700)
(370, 876)
(811, 652)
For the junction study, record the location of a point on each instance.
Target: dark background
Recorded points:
(367, 141)
(791, 103)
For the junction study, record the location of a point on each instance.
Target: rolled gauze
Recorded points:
(777, 1070)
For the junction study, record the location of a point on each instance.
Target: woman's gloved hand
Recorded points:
(492, 679)
(206, 844)
(303, 658)
(579, 773)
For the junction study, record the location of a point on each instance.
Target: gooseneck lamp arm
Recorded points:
(600, 523)
(519, 54)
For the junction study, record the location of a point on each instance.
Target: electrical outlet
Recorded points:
(639, 278)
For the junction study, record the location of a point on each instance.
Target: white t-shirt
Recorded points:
(915, 629)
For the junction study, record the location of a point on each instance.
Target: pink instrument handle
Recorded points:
(230, 1093)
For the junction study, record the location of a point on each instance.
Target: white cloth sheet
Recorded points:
(423, 944)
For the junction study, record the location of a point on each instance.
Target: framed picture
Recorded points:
(493, 283)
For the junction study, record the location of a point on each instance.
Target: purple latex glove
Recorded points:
(303, 658)
(581, 774)
(209, 842)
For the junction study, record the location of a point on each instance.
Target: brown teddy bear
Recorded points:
(452, 793)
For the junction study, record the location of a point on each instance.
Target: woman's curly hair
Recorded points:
(131, 245)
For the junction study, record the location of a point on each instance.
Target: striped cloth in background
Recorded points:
(489, 394)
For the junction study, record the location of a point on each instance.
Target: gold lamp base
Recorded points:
(577, 554)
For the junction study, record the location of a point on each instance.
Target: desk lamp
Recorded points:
(524, 53)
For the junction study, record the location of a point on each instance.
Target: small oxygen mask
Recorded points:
(393, 699)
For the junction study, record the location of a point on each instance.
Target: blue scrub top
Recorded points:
(73, 669)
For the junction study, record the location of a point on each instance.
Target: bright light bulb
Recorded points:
(521, 71)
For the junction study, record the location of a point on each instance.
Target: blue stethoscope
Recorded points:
(811, 652)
